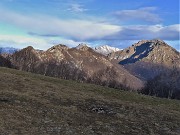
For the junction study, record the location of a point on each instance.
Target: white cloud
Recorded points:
(72, 32)
(22, 41)
(68, 42)
(37, 42)
(76, 8)
(142, 14)
(73, 29)
(139, 32)
(83, 30)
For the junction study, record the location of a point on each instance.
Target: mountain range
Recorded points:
(128, 69)
(81, 63)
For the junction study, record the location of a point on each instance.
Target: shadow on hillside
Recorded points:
(164, 85)
(5, 62)
(140, 52)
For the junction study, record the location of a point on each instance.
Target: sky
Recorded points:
(118, 23)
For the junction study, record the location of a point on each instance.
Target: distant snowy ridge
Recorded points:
(105, 49)
(9, 50)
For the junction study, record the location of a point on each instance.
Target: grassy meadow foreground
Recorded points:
(33, 104)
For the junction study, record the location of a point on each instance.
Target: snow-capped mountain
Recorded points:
(105, 49)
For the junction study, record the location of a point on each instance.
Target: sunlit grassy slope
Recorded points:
(37, 105)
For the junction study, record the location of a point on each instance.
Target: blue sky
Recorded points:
(118, 23)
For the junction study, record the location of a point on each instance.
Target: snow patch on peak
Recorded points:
(105, 49)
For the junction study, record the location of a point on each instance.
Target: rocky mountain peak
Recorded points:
(82, 47)
(157, 40)
(155, 51)
(59, 47)
(149, 43)
(29, 48)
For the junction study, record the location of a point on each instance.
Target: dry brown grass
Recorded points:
(38, 105)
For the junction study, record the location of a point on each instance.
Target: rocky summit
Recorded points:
(155, 51)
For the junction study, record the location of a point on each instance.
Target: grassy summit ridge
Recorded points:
(36, 104)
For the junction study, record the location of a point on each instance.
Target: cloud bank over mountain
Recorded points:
(79, 21)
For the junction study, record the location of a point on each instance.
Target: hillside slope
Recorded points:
(35, 104)
(81, 63)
